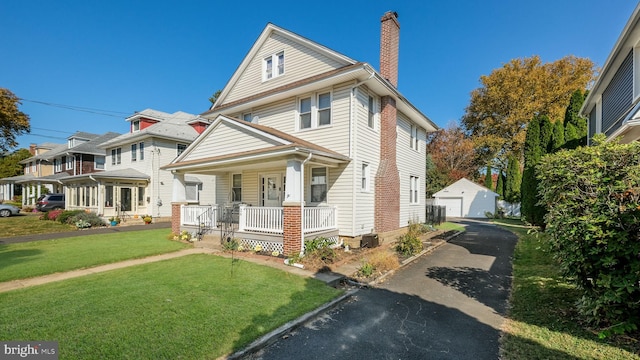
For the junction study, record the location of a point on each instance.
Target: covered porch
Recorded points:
(256, 225)
(274, 191)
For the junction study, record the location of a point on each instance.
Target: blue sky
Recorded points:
(126, 56)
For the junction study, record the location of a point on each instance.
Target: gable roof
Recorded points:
(461, 186)
(54, 149)
(93, 146)
(279, 145)
(267, 32)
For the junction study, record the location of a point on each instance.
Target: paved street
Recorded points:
(446, 305)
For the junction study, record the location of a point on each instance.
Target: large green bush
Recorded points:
(592, 195)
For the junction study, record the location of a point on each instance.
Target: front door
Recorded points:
(272, 190)
(125, 199)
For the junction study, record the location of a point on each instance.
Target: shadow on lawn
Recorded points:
(9, 258)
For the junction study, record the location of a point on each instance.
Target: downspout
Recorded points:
(302, 204)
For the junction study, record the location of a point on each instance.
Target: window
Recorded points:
(365, 177)
(247, 117)
(135, 125)
(108, 196)
(57, 165)
(414, 137)
(33, 168)
(318, 185)
(116, 156)
(181, 148)
(269, 71)
(413, 189)
(236, 187)
(371, 114)
(305, 113)
(98, 162)
(314, 111)
(324, 109)
(141, 150)
(70, 162)
(141, 196)
(192, 191)
(134, 152)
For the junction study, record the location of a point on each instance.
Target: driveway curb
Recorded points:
(274, 335)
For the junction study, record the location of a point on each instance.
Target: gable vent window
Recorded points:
(273, 66)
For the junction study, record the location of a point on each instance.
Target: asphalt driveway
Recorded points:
(447, 305)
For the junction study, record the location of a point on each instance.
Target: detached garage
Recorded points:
(466, 199)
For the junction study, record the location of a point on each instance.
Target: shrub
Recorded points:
(592, 195)
(54, 214)
(383, 260)
(366, 269)
(320, 248)
(68, 214)
(231, 245)
(409, 244)
(85, 218)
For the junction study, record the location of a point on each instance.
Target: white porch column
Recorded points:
(12, 190)
(26, 194)
(294, 177)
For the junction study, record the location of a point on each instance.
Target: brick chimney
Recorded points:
(389, 47)
(32, 149)
(387, 187)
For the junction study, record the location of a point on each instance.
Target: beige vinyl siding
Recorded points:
(223, 189)
(161, 183)
(228, 139)
(367, 149)
(279, 115)
(410, 163)
(300, 62)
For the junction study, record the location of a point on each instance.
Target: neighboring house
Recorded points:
(132, 182)
(466, 199)
(36, 167)
(613, 104)
(308, 142)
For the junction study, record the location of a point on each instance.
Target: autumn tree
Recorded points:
(10, 164)
(499, 110)
(13, 122)
(452, 156)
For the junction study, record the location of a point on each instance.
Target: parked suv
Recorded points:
(50, 202)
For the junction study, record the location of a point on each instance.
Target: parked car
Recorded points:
(8, 210)
(49, 202)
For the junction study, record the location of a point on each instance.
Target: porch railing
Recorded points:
(199, 215)
(261, 219)
(320, 218)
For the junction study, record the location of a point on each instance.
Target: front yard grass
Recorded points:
(29, 224)
(194, 307)
(542, 322)
(29, 259)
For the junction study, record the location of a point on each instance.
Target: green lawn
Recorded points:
(28, 224)
(542, 322)
(24, 260)
(448, 226)
(194, 307)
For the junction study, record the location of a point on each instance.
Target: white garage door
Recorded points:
(453, 205)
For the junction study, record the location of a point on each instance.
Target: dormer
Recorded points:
(142, 120)
(79, 138)
(199, 124)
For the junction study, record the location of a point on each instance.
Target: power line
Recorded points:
(112, 113)
(58, 131)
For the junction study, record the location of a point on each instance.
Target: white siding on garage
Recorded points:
(453, 206)
(476, 199)
(300, 63)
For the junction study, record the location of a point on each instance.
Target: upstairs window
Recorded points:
(70, 162)
(414, 137)
(414, 185)
(98, 162)
(134, 152)
(135, 125)
(141, 150)
(314, 111)
(365, 177)
(57, 165)
(371, 113)
(116, 156)
(273, 66)
(181, 148)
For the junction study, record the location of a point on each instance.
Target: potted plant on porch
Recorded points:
(147, 219)
(114, 220)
